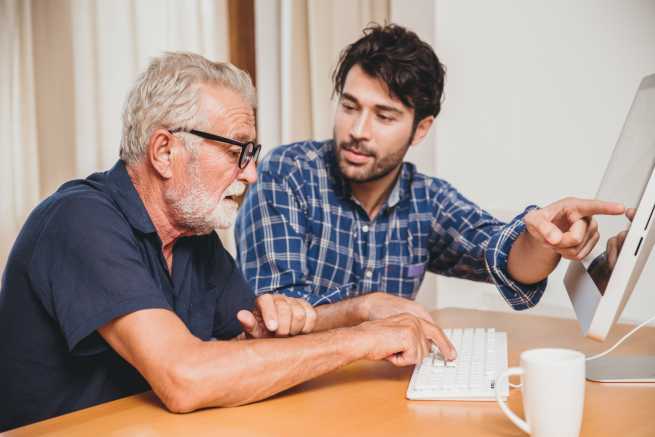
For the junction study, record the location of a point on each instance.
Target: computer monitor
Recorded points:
(600, 285)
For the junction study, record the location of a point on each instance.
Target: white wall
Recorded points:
(536, 95)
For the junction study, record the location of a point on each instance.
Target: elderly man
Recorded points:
(118, 283)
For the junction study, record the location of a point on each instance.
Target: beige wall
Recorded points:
(54, 80)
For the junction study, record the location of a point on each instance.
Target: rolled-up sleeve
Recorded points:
(519, 296)
(467, 242)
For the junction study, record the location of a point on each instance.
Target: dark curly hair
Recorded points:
(397, 56)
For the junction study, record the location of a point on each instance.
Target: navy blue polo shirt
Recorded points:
(86, 255)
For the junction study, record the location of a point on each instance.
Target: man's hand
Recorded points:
(370, 306)
(403, 339)
(277, 315)
(567, 226)
(379, 305)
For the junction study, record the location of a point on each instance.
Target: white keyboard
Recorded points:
(481, 356)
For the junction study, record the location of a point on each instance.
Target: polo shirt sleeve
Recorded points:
(235, 295)
(88, 270)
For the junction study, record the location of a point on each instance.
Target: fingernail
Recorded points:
(271, 325)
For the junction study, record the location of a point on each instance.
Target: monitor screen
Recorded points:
(630, 168)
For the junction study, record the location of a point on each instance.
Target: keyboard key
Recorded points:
(481, 355)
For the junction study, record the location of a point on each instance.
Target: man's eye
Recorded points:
(348, 106)
(385, 117)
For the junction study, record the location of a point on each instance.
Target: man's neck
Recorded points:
(153, 200)
(372, 195)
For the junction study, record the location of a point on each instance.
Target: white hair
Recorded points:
(166, 95)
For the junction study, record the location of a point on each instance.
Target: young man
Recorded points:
(346, 222)
(118, 283)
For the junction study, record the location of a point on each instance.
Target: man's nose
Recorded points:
(361, 129)
(249, 174)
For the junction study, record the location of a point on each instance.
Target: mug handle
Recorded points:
(503, 406)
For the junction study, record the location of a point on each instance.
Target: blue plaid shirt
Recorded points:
(300, 232)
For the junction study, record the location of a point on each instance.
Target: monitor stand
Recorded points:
(622, 369)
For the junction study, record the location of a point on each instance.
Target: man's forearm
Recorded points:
(530, 262)
(348, 312)
(235, 373)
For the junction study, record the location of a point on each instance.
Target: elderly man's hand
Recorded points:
(403, 339)
(278, 315)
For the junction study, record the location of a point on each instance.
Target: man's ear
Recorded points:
(422, 129)
(160, 152)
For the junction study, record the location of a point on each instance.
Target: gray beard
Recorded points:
(190, 209)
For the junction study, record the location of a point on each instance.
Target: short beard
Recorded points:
(380, 167)
(189, 204)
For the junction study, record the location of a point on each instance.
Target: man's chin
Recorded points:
(225, 221)
(213, 226)
(224, 225)
(354, 173)
(224, 215)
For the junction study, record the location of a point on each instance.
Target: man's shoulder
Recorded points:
(77, 205)
(303, 156)
(72, 214)
(79, 196)
(426, 186)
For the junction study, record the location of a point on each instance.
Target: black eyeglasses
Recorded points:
(249, 150)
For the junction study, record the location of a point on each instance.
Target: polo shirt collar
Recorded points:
(124, 193)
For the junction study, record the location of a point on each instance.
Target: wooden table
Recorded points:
(368, 398)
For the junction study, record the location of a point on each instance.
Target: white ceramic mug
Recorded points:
(553, 385)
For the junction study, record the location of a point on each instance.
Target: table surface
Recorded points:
(368, 398)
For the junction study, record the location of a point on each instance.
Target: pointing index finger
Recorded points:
(590, 207)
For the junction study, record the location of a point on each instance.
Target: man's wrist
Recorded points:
(347, 312)
(360, 309)
(358, 341)
(537, 247)
(529, 260)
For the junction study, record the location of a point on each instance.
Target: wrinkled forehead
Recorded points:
(226, 112)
